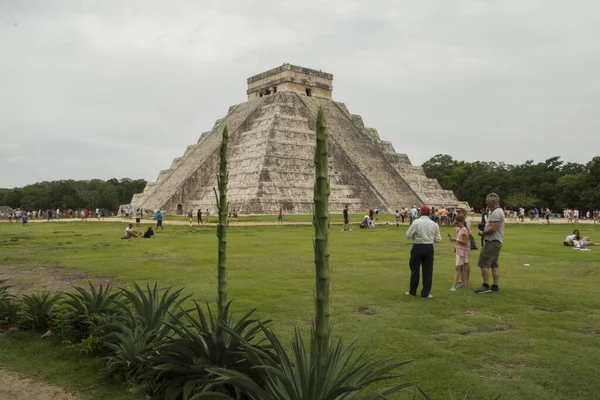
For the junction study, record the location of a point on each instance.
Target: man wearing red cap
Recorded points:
(423, 232)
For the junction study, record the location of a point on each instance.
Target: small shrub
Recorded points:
(38, 310)
(86, 317)
(298, 375)
(201, 343)
(9, 312)
(132, 353)
(134, 339)
(9, 308)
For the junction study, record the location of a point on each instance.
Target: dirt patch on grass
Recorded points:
(545, 309)
(16, 387)
(53, 279)
(500, 328)
(366, 310)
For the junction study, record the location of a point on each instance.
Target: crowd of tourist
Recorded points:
(17, 214)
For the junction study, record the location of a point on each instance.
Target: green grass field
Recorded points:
(538, 338)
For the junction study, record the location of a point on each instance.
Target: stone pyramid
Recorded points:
(270, 157)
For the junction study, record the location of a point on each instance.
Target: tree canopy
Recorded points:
(550, 184)
(70, 194)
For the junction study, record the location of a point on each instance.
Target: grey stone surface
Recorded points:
(270, 161)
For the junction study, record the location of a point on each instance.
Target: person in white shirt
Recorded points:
(130, 233)
(423, 232)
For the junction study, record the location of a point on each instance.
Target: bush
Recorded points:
(298, 376)
(202, 343)
(9, 308)
(135, 338)
(87, 315)
(38, 310)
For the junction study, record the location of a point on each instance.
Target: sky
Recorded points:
(113, 89)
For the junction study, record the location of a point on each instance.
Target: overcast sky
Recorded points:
(102, 89)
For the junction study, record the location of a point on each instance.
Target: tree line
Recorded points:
(71, 194)
(553, 184)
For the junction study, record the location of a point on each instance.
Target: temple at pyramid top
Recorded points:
(291, 78)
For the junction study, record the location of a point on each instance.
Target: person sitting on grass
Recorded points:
(574, 237)
(130, 233)
(463, 249)
(575, 240)
(149, 233)
(365, 222)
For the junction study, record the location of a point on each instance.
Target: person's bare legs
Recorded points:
(485, 274)
(495, 275)
(466, 274)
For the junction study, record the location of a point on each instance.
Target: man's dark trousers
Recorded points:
(421, 254)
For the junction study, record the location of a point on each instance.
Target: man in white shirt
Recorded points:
(130, 233)
(423, 232)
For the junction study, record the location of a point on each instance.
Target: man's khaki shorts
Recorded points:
(488, 258)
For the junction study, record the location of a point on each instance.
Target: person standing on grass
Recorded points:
(207, 216)
(346, 220)
(199, 215)
(462, 245)
(25, 219)
(280, 217)
(493, 237)
(190, 217)
(138, 217)
(159, 219)
(423, 232)
(397, 218)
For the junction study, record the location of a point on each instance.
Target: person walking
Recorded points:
(493, 237)
(346, 227)
(423, 232)
(159, 219)
(199, 215)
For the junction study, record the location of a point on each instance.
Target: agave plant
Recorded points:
(134, 340)
(9, 308)
(38, 310)
(88, 317)
(202, 343)
(132, 353)
(150, 309)
(343, 376)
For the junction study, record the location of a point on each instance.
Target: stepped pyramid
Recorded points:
(271, 151)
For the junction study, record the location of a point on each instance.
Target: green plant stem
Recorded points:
(222, 226)
(321, 243)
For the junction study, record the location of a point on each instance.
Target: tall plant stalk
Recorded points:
(222, 206)
(321, 244)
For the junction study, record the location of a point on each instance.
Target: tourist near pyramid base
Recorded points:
(271, 157)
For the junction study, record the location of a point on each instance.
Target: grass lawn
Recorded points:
(539, 337)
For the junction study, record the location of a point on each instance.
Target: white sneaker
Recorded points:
(428, 297)
(408, 294)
